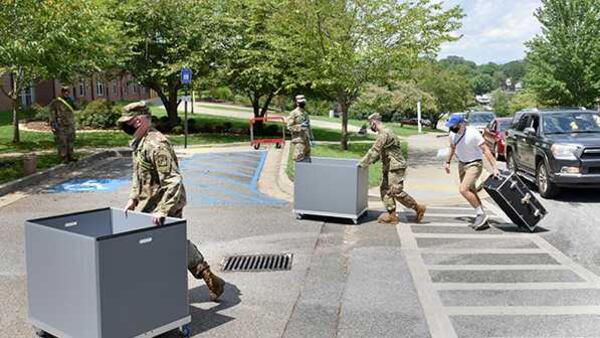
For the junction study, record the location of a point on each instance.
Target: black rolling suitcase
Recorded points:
(515, 199)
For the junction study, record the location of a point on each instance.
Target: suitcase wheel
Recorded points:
(185, 331)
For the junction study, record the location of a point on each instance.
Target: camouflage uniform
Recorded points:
(158, 184)
(300, 134)
(387, 148)
(62, 122)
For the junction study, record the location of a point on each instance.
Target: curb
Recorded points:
(24, 182)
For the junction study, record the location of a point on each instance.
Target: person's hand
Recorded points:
(447, 167)
(158, 218)
(131, 204)
(496, 172)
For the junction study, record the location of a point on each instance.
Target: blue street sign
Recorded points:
(186, 75)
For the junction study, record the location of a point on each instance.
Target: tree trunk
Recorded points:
(171, 107)
(15, 101)
(258, 125)
(344, 141)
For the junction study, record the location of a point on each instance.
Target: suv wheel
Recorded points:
(546, 188)
(511, 163)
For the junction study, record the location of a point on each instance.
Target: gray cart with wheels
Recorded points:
(331, 187)
(100, 274)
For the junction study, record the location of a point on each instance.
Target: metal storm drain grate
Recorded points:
(256, 263)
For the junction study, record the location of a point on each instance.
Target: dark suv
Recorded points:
(555, 148)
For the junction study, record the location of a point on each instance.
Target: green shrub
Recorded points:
(37, 113)
(101, 114)
(177, 130)
(222, 93)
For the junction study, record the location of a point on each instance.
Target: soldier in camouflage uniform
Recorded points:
(158, 185)
(298, 123)
(62, 122)
(387, 148)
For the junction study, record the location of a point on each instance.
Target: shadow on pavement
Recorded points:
(206, 320)
(578, 196)
(511, 227)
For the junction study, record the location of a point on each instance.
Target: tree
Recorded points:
(164, 36)
(483, 83)
(564, 60)
(515, 70)
(349, 43)
(500, 102)
(451, 90)
(52, 39)
(522, 100)
(256, 66)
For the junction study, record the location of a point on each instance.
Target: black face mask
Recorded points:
(128, 129)
(302, 104)
(455, 129)
(373, 128)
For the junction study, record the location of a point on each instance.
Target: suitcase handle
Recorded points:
(526, 199)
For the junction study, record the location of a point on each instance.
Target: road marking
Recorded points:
(563, 259)
(464, 215)
(438, 321)
(497, 267)
(11, 198)
(516, 286)
(461, 251)
(445, 224)
(522, 310)
(474, 235)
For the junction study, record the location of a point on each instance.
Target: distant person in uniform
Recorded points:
(158, 185)
(387, 148)
(62, 123)
(298, 123)
(469, 147)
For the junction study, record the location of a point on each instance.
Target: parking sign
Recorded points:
(186, 75)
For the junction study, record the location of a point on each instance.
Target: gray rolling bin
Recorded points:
(100, 274)
(331, 187)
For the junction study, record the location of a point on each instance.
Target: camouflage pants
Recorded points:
(302, 151)
(64, 143)
(392, 190)
(194, 257)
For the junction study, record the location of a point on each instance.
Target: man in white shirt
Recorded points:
(469, 147)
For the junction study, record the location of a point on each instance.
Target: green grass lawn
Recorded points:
(356, 150)
(11, 168)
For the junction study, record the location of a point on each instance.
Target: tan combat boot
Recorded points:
(215, 284)
(420, 210)
(389, 218)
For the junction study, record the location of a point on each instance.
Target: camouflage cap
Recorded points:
(374, 116)
(134, 109)
(300, 98)
(64, 89)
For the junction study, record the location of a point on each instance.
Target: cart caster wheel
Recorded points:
(355, 221)
(298, 216)
(41, 333)
(185, 331)
(278, 145)
(257, 146)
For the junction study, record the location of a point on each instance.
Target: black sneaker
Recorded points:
(481, 222)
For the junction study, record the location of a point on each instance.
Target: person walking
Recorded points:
(469, 147)
(62, 122)
(158, 184)
(298, 123)
(387, 148)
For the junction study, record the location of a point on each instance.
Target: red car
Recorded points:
(495, 135)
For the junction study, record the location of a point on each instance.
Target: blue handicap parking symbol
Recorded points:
(89, 185)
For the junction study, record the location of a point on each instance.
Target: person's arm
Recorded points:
(490, 157)
(449, 159)
(373, 155)
(170, 179)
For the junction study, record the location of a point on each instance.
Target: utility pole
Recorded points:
(419, 115)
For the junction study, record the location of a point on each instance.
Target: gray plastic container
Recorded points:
(331, 187)
(99, 274)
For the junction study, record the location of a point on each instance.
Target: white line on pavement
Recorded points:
(474, 235)
(467, 251)
(438, 321)
(515, 286)
(522, 310)
(497, 267)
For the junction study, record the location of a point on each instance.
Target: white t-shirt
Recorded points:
(468, 148)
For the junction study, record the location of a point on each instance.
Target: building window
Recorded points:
(115, 88)
(28, 95)
(99, 88)
(81, 88)
(135, 88)
(126, 88)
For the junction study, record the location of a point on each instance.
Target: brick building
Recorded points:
(123, 88)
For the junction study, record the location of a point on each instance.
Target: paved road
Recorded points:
(437, 279)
